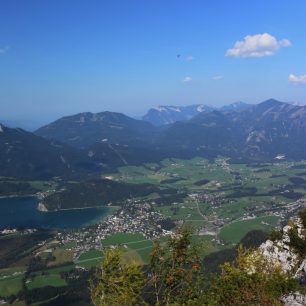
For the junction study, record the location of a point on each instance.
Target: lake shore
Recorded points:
(18, 196)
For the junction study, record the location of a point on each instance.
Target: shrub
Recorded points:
(275, 235)
(298, 243)
(249, 281)
(302, 215)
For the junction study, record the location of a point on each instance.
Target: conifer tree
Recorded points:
(117, 283)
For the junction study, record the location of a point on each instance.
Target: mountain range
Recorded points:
(162, 115)
(262, 131)
(81, 144)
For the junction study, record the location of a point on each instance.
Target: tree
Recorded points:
(174, 270)
(250, 280)
(117, 283)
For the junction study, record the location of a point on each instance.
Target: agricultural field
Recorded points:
(134, 246)
(211, 195)
(234, 232)
(10, 285)
(41, 281)
(61, 256)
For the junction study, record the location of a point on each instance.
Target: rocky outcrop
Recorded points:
(42, 207)
(281, 253)
(294, 299)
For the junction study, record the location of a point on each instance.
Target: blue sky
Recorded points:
(61, 57)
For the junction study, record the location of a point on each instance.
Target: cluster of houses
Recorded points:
(215, 200)
(8, 231)
(133, 217)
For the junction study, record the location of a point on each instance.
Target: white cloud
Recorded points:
(187, 79)
(297, 79)
(189, 58)
(258, 45)
(218, 77)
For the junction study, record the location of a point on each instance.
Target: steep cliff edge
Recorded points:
(288, 252)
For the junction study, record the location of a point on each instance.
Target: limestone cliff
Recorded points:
(290, 258)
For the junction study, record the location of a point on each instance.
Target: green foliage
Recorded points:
(117, 284)
(175, 277)
(247, 282)
(16, 188)
(275, 235)
(175, 268)
(298, 243)
(302, 215)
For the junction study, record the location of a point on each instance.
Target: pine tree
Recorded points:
(117, 283)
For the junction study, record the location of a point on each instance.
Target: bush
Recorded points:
(302, 215)
(298, 243)
(249, 281)
(275, 235)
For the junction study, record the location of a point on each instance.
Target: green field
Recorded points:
(61, 257)
(41, 281)
(11, 285)
(122, 238)
(134, 246)
(235, 231)
(90, 255)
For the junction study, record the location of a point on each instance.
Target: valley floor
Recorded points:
(220, 200)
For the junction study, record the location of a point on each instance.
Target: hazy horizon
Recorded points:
(59, 58)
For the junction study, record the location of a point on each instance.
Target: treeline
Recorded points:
(16, 247)
(98, 193)
(16, 188)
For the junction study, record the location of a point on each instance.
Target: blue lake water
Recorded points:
(22, 212)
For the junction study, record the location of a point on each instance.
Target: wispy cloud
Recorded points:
(187, 79)
(297, 79)
(218, 77)
(189, 58)
(4, 50)
(258, 45)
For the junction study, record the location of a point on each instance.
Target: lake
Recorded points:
(22, 212)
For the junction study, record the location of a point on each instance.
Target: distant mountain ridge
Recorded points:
(163, 115)
(85, 129)
(260, 131)
(237, 106)
(27, 156)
